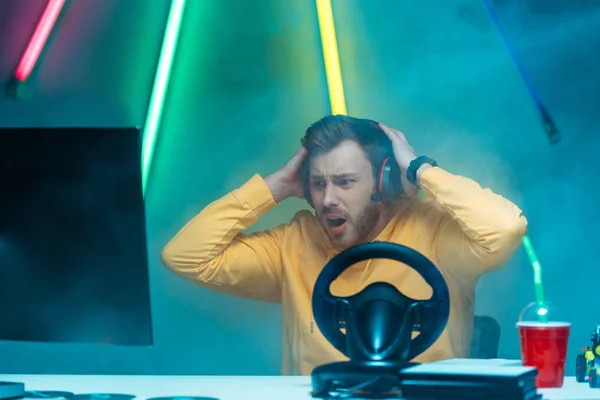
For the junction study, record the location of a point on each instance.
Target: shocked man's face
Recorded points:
(341, 185)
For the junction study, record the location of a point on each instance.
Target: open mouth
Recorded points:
(336, 222)
(336, 225)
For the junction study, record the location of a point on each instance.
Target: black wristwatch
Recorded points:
(411, 172)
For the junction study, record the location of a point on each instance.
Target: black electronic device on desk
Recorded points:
(464, 381)
(379, 323)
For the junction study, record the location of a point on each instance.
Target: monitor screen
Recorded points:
(73, 261)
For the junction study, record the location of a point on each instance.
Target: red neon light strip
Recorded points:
(39, 38)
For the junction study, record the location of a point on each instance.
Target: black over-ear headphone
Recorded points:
(388, 183)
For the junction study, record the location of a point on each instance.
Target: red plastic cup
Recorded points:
(544, 346)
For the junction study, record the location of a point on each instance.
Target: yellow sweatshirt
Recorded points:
(463, 229)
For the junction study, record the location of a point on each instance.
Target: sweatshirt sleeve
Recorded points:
(211, 251)
(479, 230)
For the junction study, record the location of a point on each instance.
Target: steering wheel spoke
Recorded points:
(341, 310)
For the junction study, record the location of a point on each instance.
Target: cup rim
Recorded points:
(538, 324)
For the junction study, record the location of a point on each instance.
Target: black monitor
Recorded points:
(73, 259)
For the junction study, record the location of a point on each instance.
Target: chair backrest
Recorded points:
(486, 338)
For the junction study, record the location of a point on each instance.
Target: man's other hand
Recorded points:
(287, 182)
(404, 154)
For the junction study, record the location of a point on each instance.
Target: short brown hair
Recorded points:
(328, 132)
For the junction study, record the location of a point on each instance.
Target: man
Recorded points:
(463, 229)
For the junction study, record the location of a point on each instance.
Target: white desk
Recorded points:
(223, 387)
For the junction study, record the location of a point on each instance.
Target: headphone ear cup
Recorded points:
(389, 186)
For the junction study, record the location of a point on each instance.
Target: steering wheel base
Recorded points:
(358, 379)
(374, 328)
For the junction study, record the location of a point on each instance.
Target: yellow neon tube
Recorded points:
(331, 57)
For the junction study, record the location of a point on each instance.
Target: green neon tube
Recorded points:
(161, 84)
(537, 276)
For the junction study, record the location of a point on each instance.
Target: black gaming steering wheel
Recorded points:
(380, 320)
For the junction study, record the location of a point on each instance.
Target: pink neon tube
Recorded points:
(39, 38)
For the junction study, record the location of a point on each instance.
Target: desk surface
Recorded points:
(222, 387)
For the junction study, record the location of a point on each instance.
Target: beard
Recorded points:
(357, 227)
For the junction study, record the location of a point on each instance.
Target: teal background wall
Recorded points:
(249, 78)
